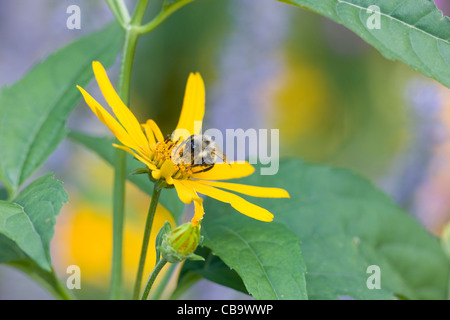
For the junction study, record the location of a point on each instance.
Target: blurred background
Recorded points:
(335, 100)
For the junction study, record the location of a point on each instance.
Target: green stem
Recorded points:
(152, 277)
(126, 64)
(118, 223)
(163, 15)
(145, 241)
(123, 10)
(60, 289)
(120, 11)
(163, 283)
(139, 12)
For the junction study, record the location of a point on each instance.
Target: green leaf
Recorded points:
(3, 194)
(27, 223)
(103, 147)
(412, 31)
(346, 225)
(34, 110)
(265, 255)
(212, 269)
(9, 251)
(16, 226)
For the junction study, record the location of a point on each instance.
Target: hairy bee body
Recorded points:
(198, 151)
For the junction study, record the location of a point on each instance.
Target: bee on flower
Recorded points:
(185, 159)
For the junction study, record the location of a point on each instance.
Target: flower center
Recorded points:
(162, 159)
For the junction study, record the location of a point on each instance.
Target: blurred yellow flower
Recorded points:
(84, 231)
(147, 144)
(84, 239)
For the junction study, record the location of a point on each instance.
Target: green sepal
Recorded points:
(166, 229)
(195, 257)
(139, 171)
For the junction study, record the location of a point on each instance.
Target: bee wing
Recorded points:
(220, 154)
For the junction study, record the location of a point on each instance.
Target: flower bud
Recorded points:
(181, 243)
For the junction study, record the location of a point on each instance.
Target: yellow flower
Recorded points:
(147, 144)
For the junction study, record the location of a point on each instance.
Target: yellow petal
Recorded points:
(107, 119)
(123, 114)
(134, 154)
(253, 191)
(156, 131)
(149, 133)
(187, 194)
(224, 171)
(235, 201)
(199, 212)
(167, 170)
(185, 191)
(193, 108)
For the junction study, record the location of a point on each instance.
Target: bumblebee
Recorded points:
(198, 151)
